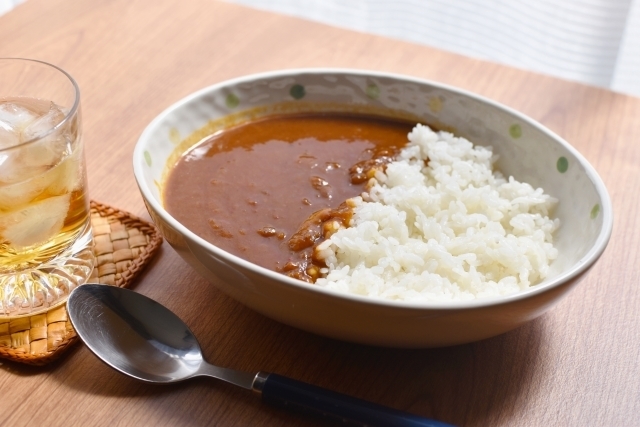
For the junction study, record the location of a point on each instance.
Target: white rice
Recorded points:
(444, 229)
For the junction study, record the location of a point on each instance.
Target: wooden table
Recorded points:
(577, 365)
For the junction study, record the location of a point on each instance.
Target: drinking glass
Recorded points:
(45, 229)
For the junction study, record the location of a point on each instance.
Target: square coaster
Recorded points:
(123, 245)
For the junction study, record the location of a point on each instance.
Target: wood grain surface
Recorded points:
(577, 365)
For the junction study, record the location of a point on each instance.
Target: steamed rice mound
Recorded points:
(441, 225)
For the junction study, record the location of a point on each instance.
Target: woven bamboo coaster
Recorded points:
(123, 245)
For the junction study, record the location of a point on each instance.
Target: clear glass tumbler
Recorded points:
(45, 229)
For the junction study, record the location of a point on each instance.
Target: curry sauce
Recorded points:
(269, 190)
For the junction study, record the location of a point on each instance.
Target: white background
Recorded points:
(591, 41)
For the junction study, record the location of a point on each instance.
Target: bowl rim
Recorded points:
(577, 269)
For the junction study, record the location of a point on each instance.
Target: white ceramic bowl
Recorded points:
(527, 150)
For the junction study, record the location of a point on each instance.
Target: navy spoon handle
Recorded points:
(297, 395)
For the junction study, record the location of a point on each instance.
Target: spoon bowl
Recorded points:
(140, 337)
(144, 340)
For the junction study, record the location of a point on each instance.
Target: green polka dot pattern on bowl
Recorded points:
(435, 104)
(147, 158)
(297, 92)
(515, 131)
(562, 164)
(595, 210)
(232, 101)
(373, 91)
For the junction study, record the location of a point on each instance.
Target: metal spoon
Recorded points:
(143, 339)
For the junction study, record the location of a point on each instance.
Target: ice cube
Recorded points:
(29, 164)
(17, 195)
(38, 162)
(46, 152)
(8, 135)
(61, 179)
(12, 169)
(64, 178)
(35, 223)
(43, 124)
(68, 174)
(16, 116)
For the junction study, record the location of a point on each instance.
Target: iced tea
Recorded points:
(45, 235)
